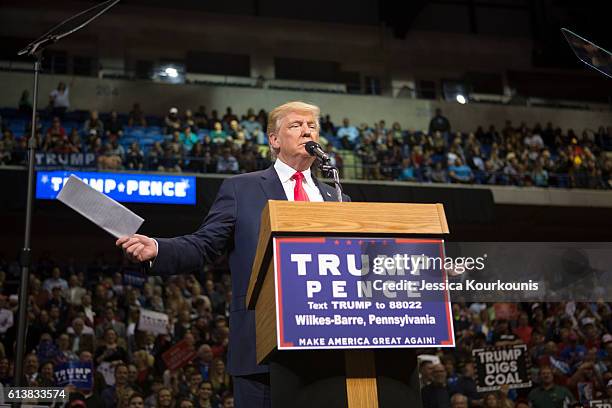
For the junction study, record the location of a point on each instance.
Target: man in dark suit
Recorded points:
(233, 224)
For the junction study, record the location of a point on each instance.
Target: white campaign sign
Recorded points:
(153, 322)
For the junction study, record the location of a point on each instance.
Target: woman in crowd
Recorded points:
(59, 100)
(111, 351)
(165, 398)
(45, 376)
(219, 378)
(144, 364)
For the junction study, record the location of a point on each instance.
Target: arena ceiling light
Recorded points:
(169, 73)
(455, 91)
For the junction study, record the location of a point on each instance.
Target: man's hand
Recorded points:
(138, 248)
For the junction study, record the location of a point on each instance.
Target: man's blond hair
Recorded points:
(278, 113)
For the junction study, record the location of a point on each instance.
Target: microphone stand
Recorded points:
(26, 252)
(335, 174)
(35, 49)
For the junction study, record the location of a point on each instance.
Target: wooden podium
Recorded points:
(285, 218)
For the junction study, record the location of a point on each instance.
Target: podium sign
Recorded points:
(361, 292)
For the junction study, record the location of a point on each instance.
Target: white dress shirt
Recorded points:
(285, 172)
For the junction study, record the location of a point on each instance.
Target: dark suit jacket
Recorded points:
(233, 224)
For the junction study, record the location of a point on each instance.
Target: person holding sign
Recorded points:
(233, 222)
(436, 394)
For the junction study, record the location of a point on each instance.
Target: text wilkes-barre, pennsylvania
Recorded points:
(372, 319)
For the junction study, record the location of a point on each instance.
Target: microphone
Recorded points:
(315, 149)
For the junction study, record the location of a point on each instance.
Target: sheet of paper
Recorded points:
(102, 210)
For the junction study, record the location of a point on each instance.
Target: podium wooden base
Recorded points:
(344, 379)
(360, 379)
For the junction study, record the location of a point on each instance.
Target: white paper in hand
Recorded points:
(99, 208)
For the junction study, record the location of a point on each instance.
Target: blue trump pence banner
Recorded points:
(76, 373)
(361, 293)
(123, 187)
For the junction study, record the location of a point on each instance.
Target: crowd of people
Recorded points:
(191, 142)
(92, 314)
(208, 142)
(515, 155)
(569, 356)
(569, 348)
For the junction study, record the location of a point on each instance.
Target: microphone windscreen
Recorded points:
(310, 147)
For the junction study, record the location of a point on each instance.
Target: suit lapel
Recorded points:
(271, 185)
(328, 193)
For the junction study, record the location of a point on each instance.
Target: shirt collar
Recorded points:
(285, 172)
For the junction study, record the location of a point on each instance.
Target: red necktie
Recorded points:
(299, 194)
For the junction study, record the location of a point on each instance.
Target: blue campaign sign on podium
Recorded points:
(359, 292)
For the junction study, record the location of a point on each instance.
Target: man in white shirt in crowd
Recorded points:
(55, 280)
(75, 292)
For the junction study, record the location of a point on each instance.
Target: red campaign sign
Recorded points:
(179, 355)
(506, 311)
